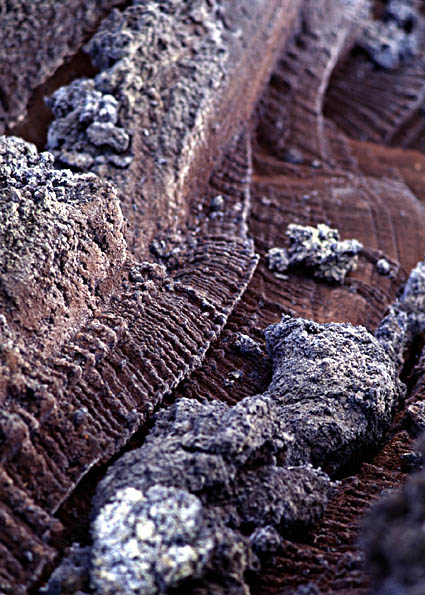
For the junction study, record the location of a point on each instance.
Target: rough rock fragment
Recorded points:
(278, 259)
(246, 345)
(86, 132)
(226, 457)
(415, 418)
(406, 317)
(60, 232)
(383, 266)
(337, 388)
(251, 465)
(162, 532)
(318, 249)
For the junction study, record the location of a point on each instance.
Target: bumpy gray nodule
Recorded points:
(319, 249)
(406, 317)
(337, 388)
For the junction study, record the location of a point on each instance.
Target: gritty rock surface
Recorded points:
(146, 543)
(226, 457)
(251, 465)
(406, 317)
(318, 249)
(95, 119)
(415, 418)
(338, 387)
(59, 232)
(246, 345)
(35, 37)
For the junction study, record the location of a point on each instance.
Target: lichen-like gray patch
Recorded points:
(319, 249)
(147, 543)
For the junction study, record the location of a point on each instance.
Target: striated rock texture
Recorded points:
(175, 69)
(189, 188)
(123, 312)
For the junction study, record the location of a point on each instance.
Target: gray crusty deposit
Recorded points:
(254, 467)
(226, 457)
(319, 249)
(406, 317)
(85, 132)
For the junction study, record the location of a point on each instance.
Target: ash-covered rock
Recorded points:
(394, 541)
(85, 132)
(147, 543)
(226, 457)
(319, 249)
(391, 41)
(337, 388)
